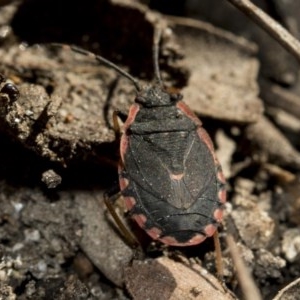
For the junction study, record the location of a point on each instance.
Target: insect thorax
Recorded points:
(156, 97)
(165, 131)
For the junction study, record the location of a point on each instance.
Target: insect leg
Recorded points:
(118, 114)
(109, 200)
(218, 256)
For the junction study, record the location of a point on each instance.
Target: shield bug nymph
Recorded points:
(169, 175)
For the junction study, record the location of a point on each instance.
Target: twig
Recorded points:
(279, 33)
(245, 279)
(282, 98)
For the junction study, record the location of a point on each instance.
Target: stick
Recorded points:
(245, 279)
(278, 32)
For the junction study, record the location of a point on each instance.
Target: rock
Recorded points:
(163, 278)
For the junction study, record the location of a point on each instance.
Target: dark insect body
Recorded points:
(170, 178)
(169, 175)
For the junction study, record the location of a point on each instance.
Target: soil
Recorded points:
(58, 154)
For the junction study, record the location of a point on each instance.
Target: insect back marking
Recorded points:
(164, 154)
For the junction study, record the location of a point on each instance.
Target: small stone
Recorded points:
(51, 179)
(30, 288)
(255, 227)
(267, 265)
(291, 244)
(32, 235)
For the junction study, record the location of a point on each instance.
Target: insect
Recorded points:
(10, 89)
(169, 175)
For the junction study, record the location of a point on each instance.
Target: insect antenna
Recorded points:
(157, 39)
(101, 60)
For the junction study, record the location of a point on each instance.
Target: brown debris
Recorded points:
(292, 201)
(164, 278)
(255, 227)
(6, 291)
(43, 123)
(271, 26)
(290, 292)
(268, 265)
(101, 241)
(276, 63)
(276, 96)
(291, 244)
(271, 144)
(217, 88)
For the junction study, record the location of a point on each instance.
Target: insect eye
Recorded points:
(176, 97)
(11, 90)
